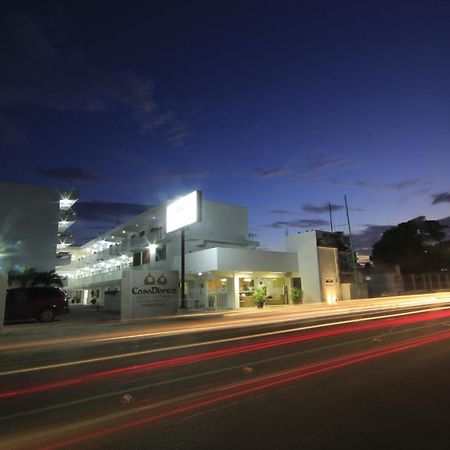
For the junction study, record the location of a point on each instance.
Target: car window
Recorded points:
(16, 295)
(44, 293)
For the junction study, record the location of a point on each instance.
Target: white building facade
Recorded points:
(34, 224)
(223, 266)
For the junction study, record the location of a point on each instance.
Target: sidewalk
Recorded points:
(86, 324)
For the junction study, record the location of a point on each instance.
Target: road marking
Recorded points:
(213, 342)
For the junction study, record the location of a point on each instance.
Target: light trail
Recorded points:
(301, 312)
(226, 352)
(333, 310)
(263, 383)
(195, 376)
(215, 342)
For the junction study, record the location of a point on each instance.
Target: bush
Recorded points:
(259, 295)
(297, 295)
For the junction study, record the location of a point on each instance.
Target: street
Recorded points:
(361, 381)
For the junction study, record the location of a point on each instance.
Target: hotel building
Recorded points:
(223, 264)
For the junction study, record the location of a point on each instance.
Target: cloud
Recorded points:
(43, 70)
(320, 209)
(300, 223)
(443, 197)
(181, 175)
(98, 211)
(364, 240)
(402, 185)
(275, 172)
(397, 186)
(71, 174)
(98, 217)
(282, 211)
(44, 73)
(177, 133)
(320, 162)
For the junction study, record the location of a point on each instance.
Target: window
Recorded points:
(40, 294)
(137, 259)
(14, 296)
(160, 252)
(297, 282)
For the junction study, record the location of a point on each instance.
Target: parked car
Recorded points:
(41, 303)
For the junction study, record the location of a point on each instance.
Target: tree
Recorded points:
(412, 245)
(23, 278)
(50, 278)
(29, 277)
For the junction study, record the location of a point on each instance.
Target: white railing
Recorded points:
(100, 278)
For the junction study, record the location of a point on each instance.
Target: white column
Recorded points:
(287, 283)
(233, 292)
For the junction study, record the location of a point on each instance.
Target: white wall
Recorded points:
(221, 226)
(304, 244)
(329, 274)
(28, 226)
(112, 301)
(234, 260)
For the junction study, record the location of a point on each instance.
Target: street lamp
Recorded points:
(180, 213)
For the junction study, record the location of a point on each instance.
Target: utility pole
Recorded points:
(331, 217)
(351, 240)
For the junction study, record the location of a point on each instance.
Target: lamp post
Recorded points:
(183, 293)
(181, 213)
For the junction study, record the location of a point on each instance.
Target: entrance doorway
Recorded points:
(275, 290)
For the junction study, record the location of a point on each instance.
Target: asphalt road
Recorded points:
(380, 383)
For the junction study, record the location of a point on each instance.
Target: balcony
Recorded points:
(96, 279)
(64, 241)
(68, 199)
(66, 219)
(138, 243)
(63, 258)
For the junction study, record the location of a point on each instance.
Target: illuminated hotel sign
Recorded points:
(146, 294)
(184, 211)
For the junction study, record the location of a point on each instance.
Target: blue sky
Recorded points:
(280, 106)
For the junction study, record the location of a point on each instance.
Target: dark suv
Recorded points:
(41, 303)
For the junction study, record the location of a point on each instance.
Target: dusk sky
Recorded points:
(280, 107)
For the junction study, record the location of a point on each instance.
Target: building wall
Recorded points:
(318, 267)
(28, 226)
(238, 260)
(304, 244)
(221, 222)
(222, 225)
(217, 248)
(329, 274)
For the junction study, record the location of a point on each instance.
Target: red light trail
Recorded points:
(263, 383)
(230, 351)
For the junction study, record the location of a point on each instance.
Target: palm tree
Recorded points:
(23, 278)
(50, 278)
